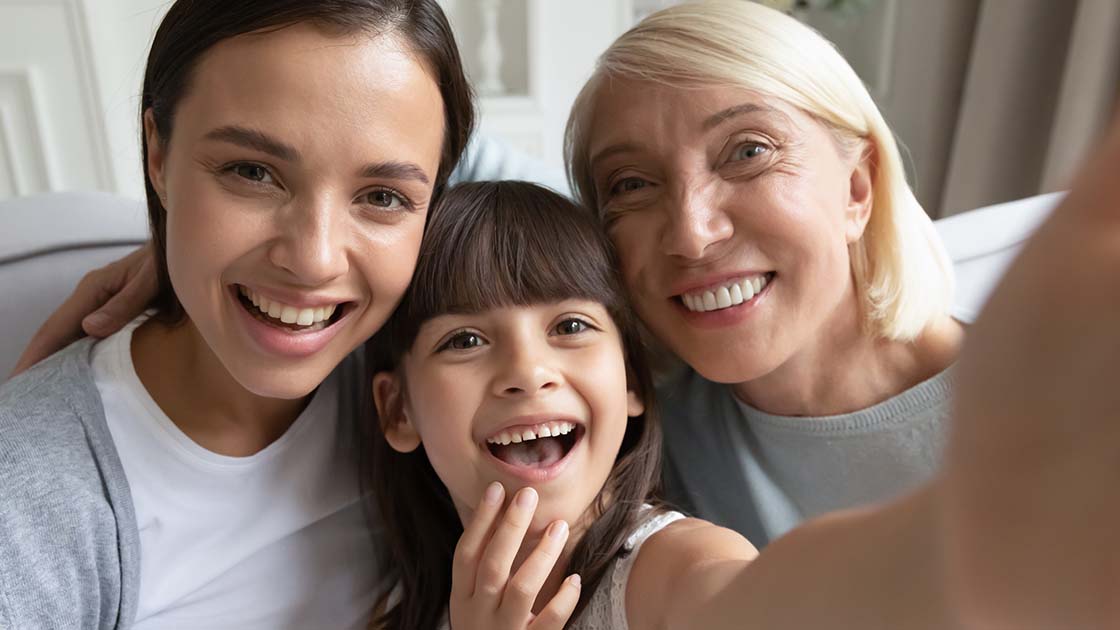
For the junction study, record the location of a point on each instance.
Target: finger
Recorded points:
(123, 306)
(497, 558)
(521, 592)
(471, 544)
(561, 607)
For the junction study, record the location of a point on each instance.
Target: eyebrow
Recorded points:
(720, 117)
(395, 170)
(260, 141)
(614, 149)
(256, 140)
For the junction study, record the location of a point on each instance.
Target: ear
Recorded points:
(388, 398)
(861, 193)
(634, 405)
(157, 156)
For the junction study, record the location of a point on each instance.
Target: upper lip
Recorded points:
(297, 299)
(709, 282)
(527, 421)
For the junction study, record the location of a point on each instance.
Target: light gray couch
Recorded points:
(48, 242)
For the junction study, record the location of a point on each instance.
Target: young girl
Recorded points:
(514, 361)
(189, 471)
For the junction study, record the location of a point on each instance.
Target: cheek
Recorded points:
(388, 257)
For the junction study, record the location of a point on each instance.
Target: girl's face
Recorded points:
(525, 395)
(296, 181)
(732, 213)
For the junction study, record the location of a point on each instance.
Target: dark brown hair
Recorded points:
(191, 27)
(492, 244)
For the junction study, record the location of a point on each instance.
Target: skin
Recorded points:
(699, 185)
(300, 165)
(469, 376)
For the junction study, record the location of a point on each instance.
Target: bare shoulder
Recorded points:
(670, 557)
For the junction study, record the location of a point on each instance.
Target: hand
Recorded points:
(483, 595)
(104, 301)
(1032, 509)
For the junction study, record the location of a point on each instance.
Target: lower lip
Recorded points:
(281, 342)
(537, 475)
(725, 316)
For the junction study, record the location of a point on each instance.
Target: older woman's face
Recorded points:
(732, 213)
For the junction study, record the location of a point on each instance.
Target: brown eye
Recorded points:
(629, 184)
(252, 172)
(385, 199)
(571, 326)
(463, 341)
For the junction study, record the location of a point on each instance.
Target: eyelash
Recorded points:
(458, 334)
(231, 169)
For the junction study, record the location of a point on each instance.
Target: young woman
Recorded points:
(191, 470)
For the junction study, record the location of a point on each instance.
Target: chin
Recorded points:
(281, 384)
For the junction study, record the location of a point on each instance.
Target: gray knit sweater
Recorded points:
(69, 546)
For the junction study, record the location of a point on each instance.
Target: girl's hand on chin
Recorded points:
(483, 595)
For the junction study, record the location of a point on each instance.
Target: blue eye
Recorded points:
(749, 150)
(571, 326)
(628, 184)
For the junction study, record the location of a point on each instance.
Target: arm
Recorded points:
(872, 568)
(105, 300)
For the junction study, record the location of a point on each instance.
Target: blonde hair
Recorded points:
(899, 266)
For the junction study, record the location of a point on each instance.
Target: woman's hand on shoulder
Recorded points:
(104, 301)
(484, 596)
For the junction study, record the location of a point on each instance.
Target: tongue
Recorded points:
(538, 453)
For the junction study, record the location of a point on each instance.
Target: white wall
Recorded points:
(70, 75)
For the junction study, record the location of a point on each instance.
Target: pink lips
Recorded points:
(283, 342)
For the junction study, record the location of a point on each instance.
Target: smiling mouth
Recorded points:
(286, 317)
(731, 293)
(537, 447)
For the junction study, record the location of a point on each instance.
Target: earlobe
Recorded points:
(388, 399)
(861, 193)
(634, 405)
(156, 156)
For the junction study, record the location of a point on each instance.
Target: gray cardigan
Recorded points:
(69, 545)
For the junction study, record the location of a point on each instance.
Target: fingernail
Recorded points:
(493, 493)
(558, 529)
(96, 320)
(527, 498)
(575, 580)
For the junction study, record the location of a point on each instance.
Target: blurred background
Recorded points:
(992, 99)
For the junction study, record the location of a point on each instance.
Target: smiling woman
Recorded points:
(187, 471)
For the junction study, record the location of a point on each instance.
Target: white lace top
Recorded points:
(607, 608)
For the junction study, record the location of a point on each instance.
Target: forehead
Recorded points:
(311, 87)
(629, 112)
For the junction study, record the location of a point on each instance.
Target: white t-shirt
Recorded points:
(276, 540)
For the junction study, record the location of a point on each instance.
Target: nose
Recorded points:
(697, 222)
(527, 369)
(312, 243)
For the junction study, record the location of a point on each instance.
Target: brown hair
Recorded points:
(492, 244)
(191, 27)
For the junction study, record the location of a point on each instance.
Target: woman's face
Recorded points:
(296, 181)
(732, 213)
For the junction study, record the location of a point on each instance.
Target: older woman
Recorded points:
(769, 239)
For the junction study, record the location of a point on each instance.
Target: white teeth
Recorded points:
(548, 429)
(286, 313)
(730, 294)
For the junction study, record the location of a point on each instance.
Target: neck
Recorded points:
(845, 368)
(201, 397)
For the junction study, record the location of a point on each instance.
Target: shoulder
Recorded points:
(60, 534)
(671, 558)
